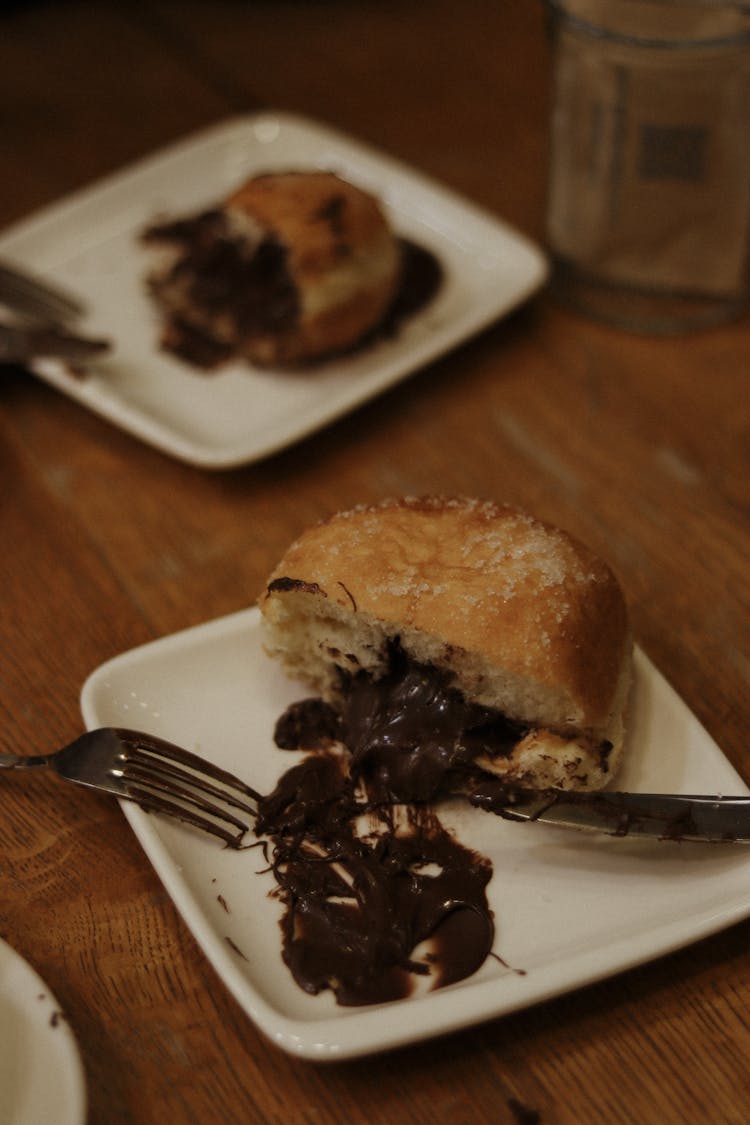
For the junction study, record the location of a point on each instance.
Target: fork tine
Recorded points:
(165, 778)
(176, 776)
(150, 802)
(136, 741)
(135, 773)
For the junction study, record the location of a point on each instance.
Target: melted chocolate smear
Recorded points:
(221, 276)
(411, 736)
(250, 290)
(359, 903)
(310, 723)
(188, 343)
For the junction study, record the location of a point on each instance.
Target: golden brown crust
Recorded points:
(496, 590)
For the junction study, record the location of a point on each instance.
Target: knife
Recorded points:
(666, 816)
(20, 344)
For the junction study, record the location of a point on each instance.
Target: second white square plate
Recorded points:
(569, 907)
(89, 243)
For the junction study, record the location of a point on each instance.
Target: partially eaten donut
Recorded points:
(445, 636)
(291, 267)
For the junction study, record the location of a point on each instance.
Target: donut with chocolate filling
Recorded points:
(452, 635)
(292, 266)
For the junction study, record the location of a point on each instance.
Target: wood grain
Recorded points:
(639, 446)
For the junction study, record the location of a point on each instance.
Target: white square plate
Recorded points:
(89, 244)
(570, 908)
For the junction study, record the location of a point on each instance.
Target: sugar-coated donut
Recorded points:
(515, 614)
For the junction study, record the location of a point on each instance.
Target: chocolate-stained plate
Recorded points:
(90, 244)
(569, 908)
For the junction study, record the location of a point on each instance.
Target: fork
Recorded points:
(157, 775)
(40, 300)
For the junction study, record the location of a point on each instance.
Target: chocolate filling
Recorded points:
(218, 276)
(411, 736)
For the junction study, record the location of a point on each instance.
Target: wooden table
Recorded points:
(641, 447)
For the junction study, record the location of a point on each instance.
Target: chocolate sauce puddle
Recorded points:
(360, 900)
(376, 891)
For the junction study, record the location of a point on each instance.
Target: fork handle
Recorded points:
(22, 761)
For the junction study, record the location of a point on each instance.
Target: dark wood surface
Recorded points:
(639, 446)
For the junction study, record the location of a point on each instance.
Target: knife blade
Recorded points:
(665, 816)
(21, 343)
